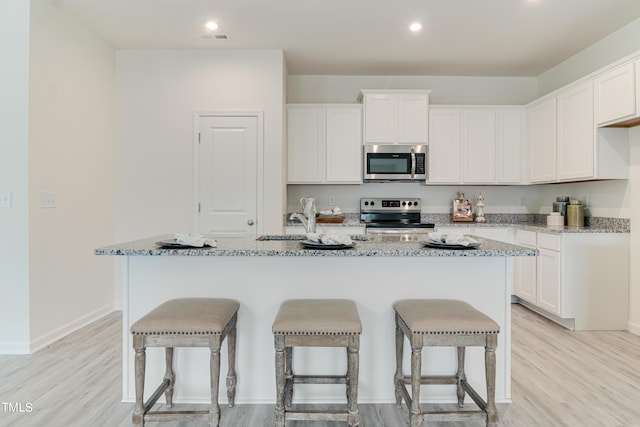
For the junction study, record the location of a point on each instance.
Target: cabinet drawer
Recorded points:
(549, 241)
(524, 237)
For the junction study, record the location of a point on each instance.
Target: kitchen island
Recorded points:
(260, 274)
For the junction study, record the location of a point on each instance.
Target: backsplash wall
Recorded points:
(605, 198)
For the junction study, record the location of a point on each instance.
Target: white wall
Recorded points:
(158, 92)
(72, 153)
(610, 49)
(634, 173)
(445, 90)
(14, 152)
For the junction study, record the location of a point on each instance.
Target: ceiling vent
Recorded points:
(216, 36)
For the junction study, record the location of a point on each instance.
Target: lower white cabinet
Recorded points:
(580, 280)
(324, 144)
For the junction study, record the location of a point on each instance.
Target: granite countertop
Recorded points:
(379, 245)
(531, 222)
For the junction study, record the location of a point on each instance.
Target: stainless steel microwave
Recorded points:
(395, 163)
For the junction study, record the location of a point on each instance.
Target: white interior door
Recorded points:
(227, 178)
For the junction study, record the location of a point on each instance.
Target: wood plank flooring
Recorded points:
(559, 378)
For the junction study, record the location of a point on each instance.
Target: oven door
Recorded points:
(395, 162)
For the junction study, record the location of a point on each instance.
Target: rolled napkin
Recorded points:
(454, 238)
(330, 238)
(195, 240)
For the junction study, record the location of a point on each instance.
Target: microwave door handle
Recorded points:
(413, 163)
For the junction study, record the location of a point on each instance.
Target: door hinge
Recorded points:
(199, 135)
(198, 207)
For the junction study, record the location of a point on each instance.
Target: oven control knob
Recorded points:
(366, 203)
(373, 203)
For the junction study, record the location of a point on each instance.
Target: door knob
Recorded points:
(250, 222)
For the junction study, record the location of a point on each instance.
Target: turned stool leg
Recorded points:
(398, 377)
(231, 374)
(353, 362)
(288, 376)
(415, 412)
(490, 373)
(280, 380)
(461, 376)
(140, 360)
(169, 375)
(214, 411)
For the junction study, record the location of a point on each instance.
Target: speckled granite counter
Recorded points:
(378, 245)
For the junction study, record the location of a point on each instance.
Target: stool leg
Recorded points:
(461, 376)
(415, 412)
(490, 373)
(288, 375)
(214, 411)
(398, 379)
(140, 359)
(280, 379)
(231, 374)
(353, 366)
(169, 375)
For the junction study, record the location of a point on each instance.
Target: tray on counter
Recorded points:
(329, 219)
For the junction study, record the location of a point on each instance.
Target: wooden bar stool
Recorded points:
(316, 323)
(188, 322)
(444, 323)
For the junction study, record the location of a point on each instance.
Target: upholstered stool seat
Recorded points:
(444, 323)
(187, 322)
(316, 323)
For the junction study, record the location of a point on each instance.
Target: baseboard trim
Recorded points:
(62, 331)
(634, 328)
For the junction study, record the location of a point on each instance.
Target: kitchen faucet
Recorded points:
(308, 223)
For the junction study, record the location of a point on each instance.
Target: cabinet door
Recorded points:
(344, 145)
(445, 146)
(479, 146)
(549, 281)
(509, 126)
(525, 286)
(380, 118)
(412, 118)
(499, 234)
(542, 141)
(615, 94)
(306, 145)
(576, 133)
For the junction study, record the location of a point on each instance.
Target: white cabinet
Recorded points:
(395, 116)
(564, 144)
(475, 145)
(580, 280)
(324, 144)
(494, 233)
(524, 268)
(542, 140)
(576, 133)
(548, 280)
(615, 94)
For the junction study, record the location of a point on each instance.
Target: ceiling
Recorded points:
(370, 37)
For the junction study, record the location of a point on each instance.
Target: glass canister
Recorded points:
(575, 214)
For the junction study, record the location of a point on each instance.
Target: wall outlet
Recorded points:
(5, 199)
(48, 199)
(332, 200)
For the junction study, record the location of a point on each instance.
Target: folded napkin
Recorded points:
(332, 212)
(454, 238)
(195, 240)
(330, 238)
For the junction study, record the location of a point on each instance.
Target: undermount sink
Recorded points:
(355, 237)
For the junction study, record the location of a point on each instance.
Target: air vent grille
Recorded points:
(216, 36)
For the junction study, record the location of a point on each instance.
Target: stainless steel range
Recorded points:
(393, 216)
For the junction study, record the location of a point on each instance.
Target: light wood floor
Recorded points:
(559, 378)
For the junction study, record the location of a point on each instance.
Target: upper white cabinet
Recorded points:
(616, 95)
(395, 116)
(324, 144)
(475, 145)
(564, 143)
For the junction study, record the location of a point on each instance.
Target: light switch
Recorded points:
(48, 199)
(5, 199)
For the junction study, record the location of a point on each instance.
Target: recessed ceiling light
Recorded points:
(211, 25)
(416, 26)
